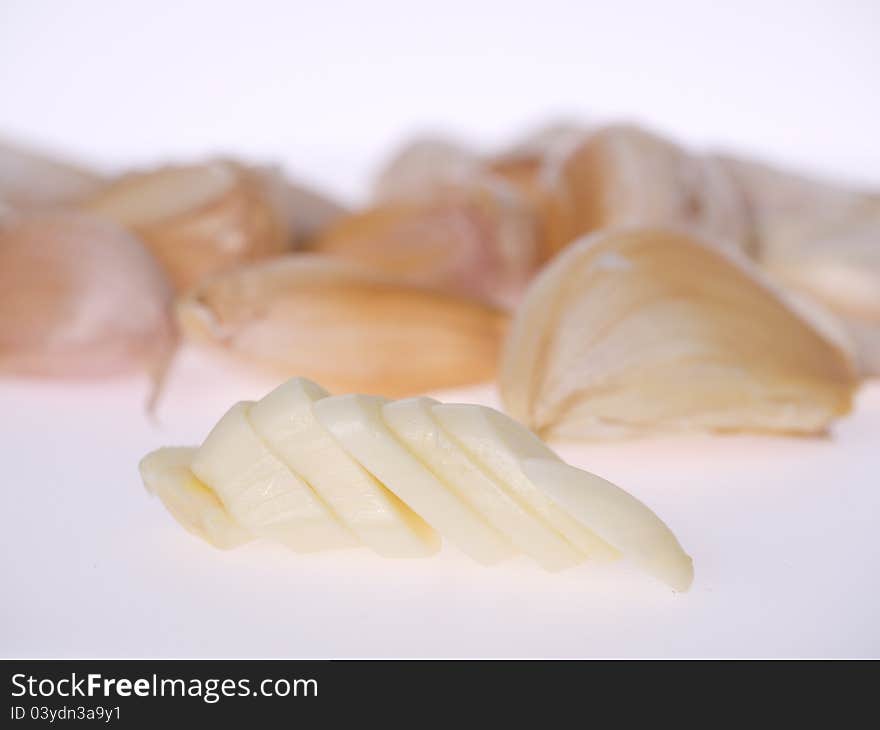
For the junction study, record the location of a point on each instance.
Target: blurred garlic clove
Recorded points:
(622, 176)
(30, 179)
(533, 169)
(476, 241)
(200, 219)
(423, 166)
(309, 212)
(80, 297)
(822, 240)
(631, 332)
(320, 318)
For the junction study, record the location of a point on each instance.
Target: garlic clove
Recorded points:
(423, 166)
(822, 240)
(630, 332)
(200, 219)
(260, 492)
(324, 319)
(499, 445)
(415, 426)
(617, 517)
(622, 176)
(166, 474)
(309, 211)
(80, 297)
(285, 420)
(477, 241)
(356, 423)
(30, 179)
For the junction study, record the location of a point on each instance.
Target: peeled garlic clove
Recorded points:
(199, 219)
(166, 474)
(822, 240)
(622, 176)
(357, 424)
(416, 427)
(260, 492)
(324, 319)
(30, 179)
(425, 165)
(80, 297)
(477, 241)
(618, 517)
(630, 332)
(286, 421)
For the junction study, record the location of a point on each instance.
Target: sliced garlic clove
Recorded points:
(260, 492)
(622, 176)
(423, 166)
(821, 240)
(498, 444)
(617, 517)
(167, 475)
(323, 319)
(285, 420)
(199, 219)
(30, 179)
(415, 426)
(476, 241)
(357, 424)
(80, 297)
(630, 332)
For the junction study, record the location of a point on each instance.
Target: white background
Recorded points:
(783, 532)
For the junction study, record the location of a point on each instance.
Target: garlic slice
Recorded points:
(416, 427)
(622, 176)
(476, 240)
(356, 422)
(618, 517)
(286, 422)
(80, 297)
(31, 179)
(260, 492)
(199, 219)
(630, 332)
(324, 319)
(485, 482)
(166, 474)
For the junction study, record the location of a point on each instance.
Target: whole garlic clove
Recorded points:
(476, 241)
(200, 219)
(423, 166)
(80, 297)
(31, 179)
(309, 211)
(320, 318)
(622, 176)
(822, 240)
(632, 332)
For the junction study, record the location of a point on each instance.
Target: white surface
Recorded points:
(784, 532)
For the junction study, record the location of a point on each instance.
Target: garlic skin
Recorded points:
(31, 179)
(80, 297)
(200, 219)
(308, 211)
(622, 176)
(632, 332)
(822, 240)
(476, 241)
(350, 327)
(281, 469)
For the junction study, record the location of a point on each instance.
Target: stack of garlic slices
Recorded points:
(313, 471)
